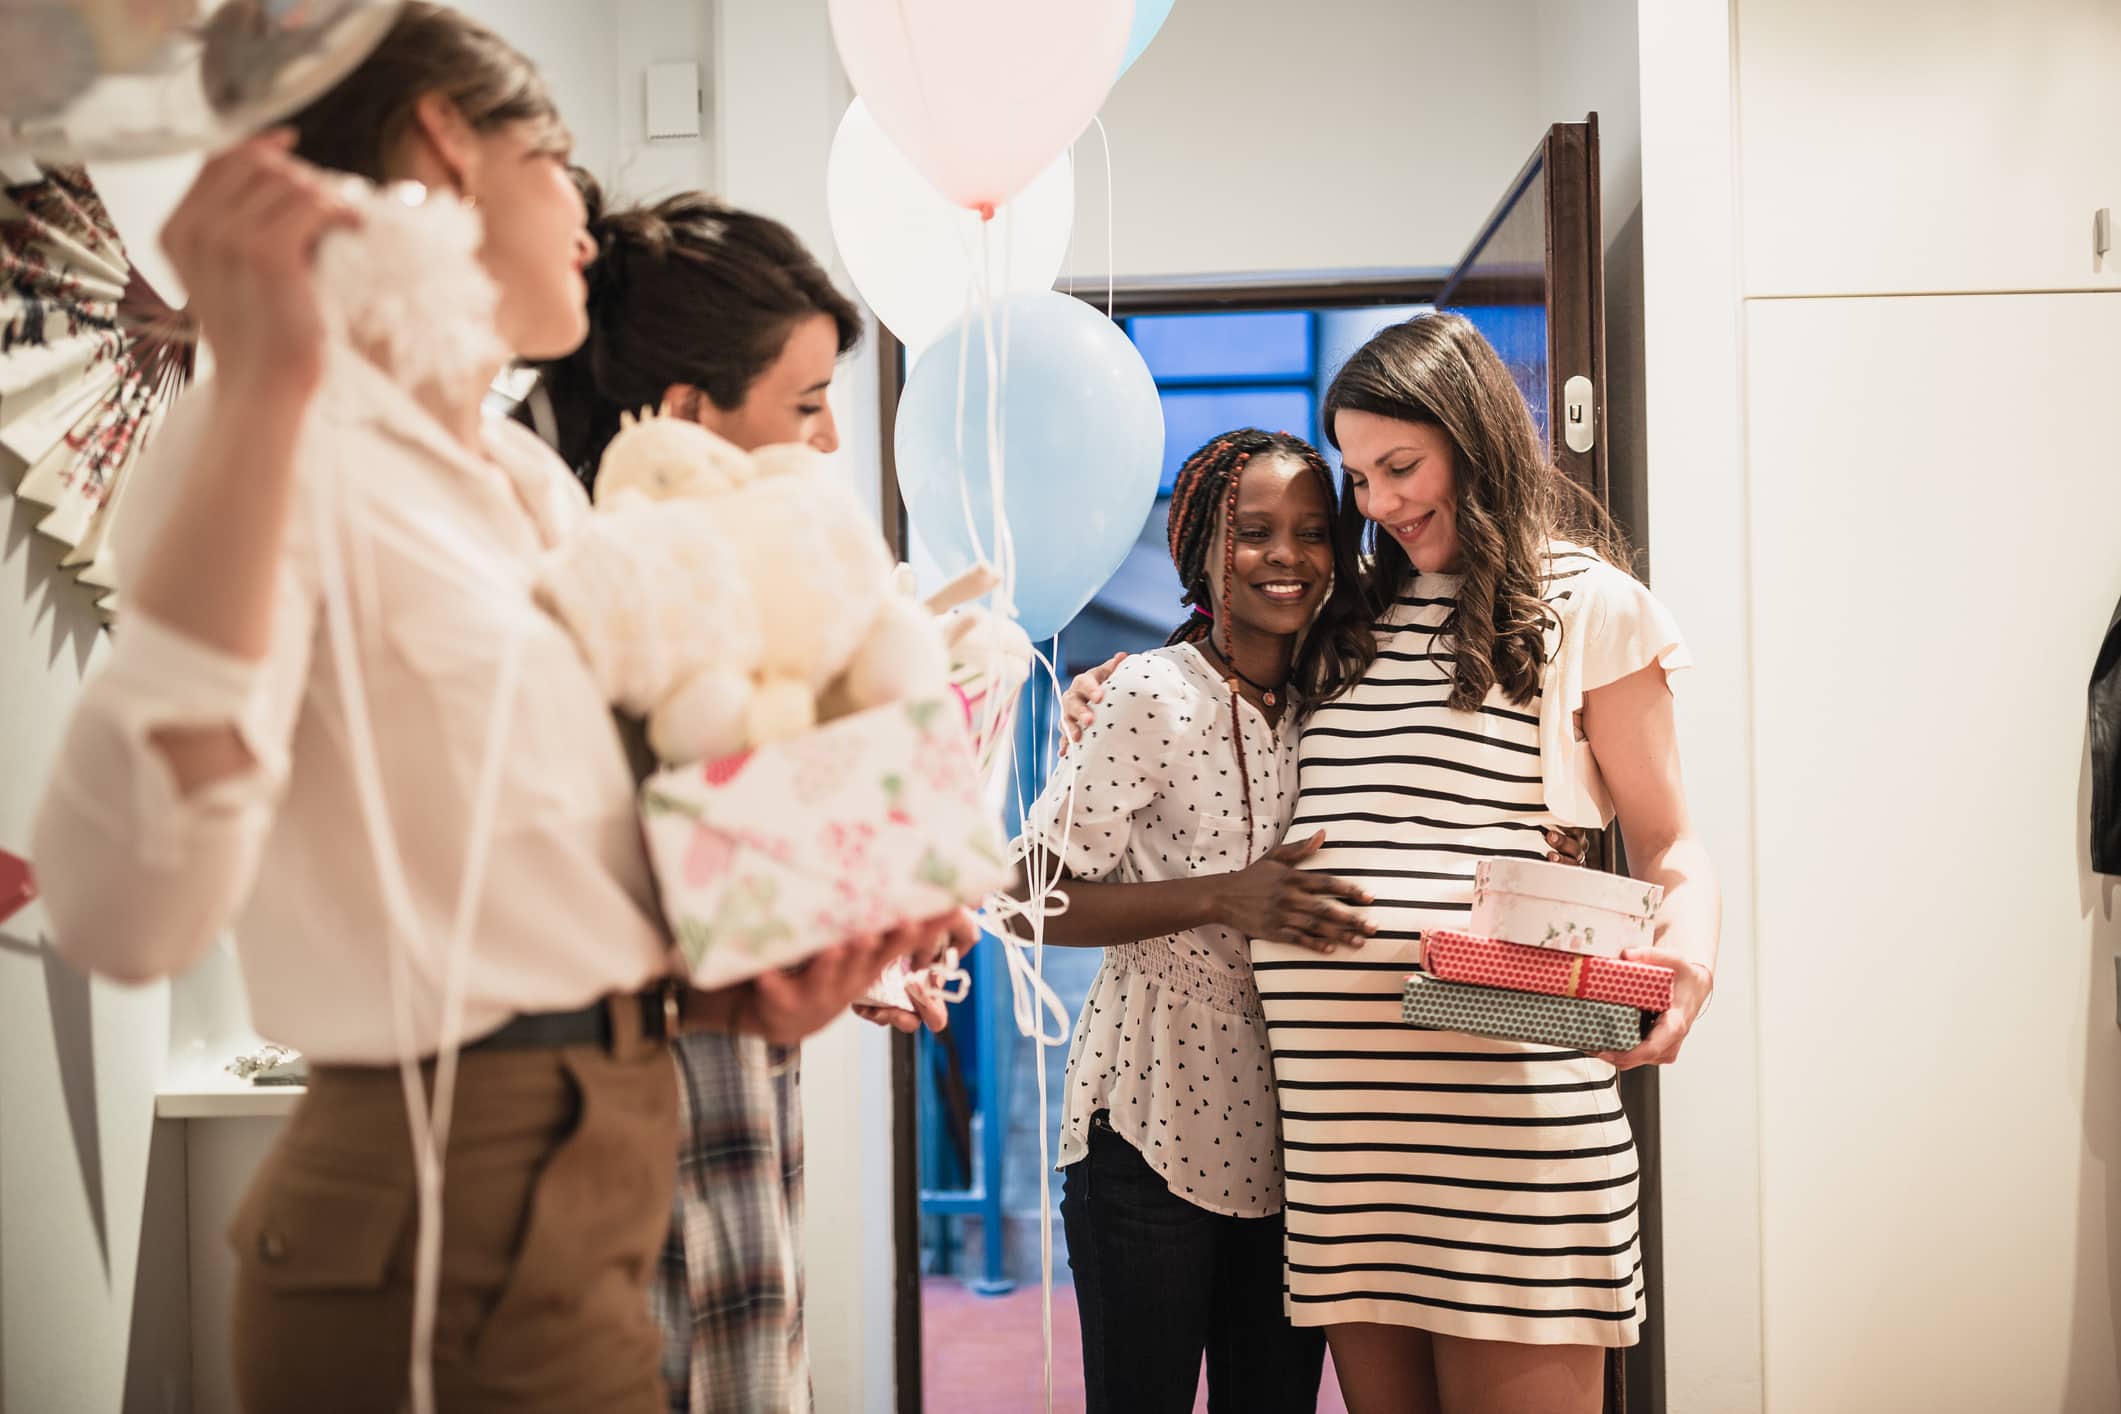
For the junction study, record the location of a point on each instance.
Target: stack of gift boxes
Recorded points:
(1540, 960)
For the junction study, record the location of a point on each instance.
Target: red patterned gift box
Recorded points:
(1486, 962)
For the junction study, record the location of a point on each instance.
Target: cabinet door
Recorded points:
(1954, 145)
(1933, 508)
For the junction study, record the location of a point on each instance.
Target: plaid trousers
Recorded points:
(729, 1289)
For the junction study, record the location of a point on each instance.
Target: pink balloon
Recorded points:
(982, 94)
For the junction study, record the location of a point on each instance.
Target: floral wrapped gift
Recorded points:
(1537, 904)
(1486, 962)
(1519, 1016)
(859, 825)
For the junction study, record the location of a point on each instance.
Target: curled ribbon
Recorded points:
(1032, 998)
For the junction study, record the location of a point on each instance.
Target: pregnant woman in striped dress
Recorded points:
(1461, 1212)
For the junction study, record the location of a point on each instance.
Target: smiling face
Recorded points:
(1281, 531)
(785, 403)
(536, 245)
(1402, 477)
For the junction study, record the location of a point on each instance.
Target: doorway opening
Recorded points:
(1225, 354)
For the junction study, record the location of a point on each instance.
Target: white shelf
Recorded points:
(210, 1096)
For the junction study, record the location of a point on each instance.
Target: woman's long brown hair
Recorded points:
(1437, 370)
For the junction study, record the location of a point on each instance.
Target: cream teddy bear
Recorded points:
(722, 595)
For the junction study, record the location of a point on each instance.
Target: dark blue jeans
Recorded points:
(1159, 1282)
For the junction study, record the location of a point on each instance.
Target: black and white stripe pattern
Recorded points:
(1464, 1185)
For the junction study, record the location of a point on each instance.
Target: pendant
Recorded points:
(1270, 700)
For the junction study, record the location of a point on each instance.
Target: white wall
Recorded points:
(575, 48)
(140, 196)
(79, 1061)
(1360, 134)
(1587, 62)
(594, 58)
(1696, 489)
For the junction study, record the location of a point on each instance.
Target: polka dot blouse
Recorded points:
(1171, 1041)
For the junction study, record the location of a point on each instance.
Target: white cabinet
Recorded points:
(1935, 518)
(1945, 145)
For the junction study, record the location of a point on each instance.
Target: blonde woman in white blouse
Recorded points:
(206, 781)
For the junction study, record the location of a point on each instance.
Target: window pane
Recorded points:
(1341, 332)
(1195, 416)
(1519, 334)
(1197, 346)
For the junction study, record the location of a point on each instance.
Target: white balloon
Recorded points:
(915, 256)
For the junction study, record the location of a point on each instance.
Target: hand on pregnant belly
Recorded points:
(1275, 899)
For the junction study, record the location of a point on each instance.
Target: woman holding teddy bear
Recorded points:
(721, 317)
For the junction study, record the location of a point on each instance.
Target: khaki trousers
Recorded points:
(556, 1198)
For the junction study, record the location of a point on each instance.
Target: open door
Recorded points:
(1533, 281)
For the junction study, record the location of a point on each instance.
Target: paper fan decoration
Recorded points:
(90, 360)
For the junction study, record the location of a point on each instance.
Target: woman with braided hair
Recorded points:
(1167, 820)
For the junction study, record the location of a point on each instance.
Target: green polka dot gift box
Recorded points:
(1572, 1022)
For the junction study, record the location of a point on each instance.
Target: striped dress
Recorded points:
(1471, 1187)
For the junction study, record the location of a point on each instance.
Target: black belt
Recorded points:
(591, 1025)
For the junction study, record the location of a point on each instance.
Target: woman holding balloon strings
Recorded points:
(1460, 1210)
(720, 316)
(206, 779)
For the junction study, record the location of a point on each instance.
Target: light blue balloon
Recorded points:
(1149, 17)
(1082, 452)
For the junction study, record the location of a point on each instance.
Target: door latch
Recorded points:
(1578, 430)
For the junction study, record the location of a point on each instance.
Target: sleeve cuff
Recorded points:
(159, 678)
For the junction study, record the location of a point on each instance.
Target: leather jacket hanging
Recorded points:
(2105, 734)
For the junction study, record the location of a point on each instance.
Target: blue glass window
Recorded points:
(1195, 415)
(1519, 334)
(1226, 348)
(1219, 372)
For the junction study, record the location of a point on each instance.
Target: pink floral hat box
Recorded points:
(1562, 906)
(855, 826)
